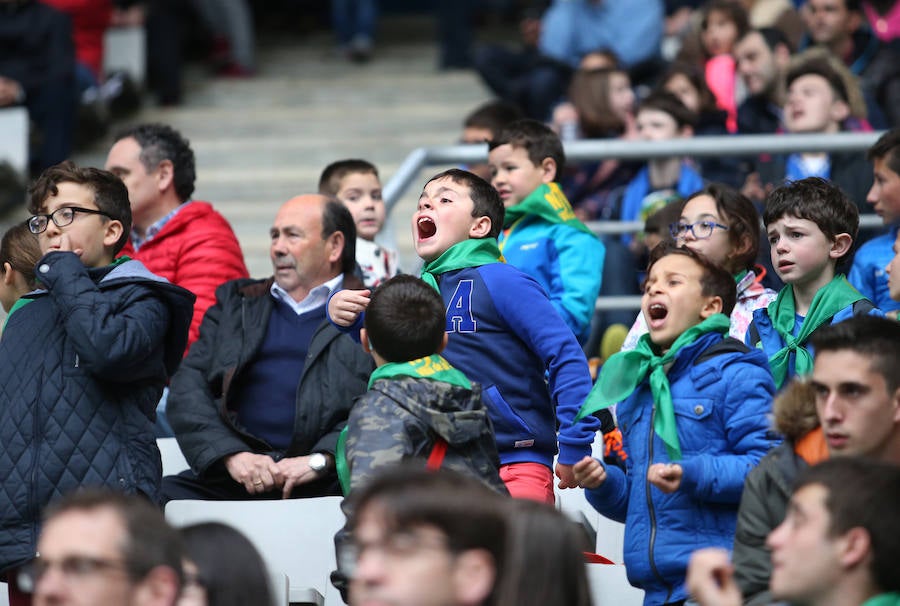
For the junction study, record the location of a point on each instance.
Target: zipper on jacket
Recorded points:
(651, 510)
(76, 361)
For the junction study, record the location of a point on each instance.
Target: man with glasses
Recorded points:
(84, 360)
(419, 537)
(100, 547)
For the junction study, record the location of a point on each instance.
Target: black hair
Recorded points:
(870, 336)
(536, 138)
(664, 101)
(159, 142)
(405, 319)
(20, 248)
(715, 281)
(336, 217)
(863, 493)
(888, 148)
(229, 567)
(485, 199)
(817, 200)
(493, 116)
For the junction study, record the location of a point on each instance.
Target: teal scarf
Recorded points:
(830, 299)
(434, 368)
(624, 371)
(547, 202)
(468, 253)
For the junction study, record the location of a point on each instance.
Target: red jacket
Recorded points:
(196, 250)
(90, 18)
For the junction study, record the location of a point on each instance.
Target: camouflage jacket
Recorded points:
(398, 419)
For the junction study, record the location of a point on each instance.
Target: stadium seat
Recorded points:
(294, 536)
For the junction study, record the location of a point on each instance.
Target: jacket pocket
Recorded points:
(693, 417)
(510, 430)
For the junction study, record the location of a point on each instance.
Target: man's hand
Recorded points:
(346, 305)
(10, 91)
(710, 578)
(295, 471)
(257, 473)
(665, 476)
(589, 473)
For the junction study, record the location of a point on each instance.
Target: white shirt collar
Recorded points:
(316, 298)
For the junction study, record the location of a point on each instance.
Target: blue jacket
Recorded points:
(566, 262)
(82, 367)
(505, 334)
(867, 274)
(762, 333)
(572, 28)
(721, 406)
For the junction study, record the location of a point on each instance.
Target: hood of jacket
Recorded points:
(454, 413)
(794, 410)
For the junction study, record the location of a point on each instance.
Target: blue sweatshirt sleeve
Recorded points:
(524, 306)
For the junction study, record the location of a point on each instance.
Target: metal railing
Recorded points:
(601, 149)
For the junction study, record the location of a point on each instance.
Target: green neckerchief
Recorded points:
(740, 276)
(830, 299)
(884, 599)
(468, 253)
(549, 203)
(624, 371)
(434, 368)
(120, 260)
(22, 302)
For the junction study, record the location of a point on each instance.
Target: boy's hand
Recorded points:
(566, 476)
(665, 476)
(589, 473)
(710, 578)
(257, 473)
(66, 244)
(346, 305)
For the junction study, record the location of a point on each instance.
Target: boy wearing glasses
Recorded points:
(84, 361)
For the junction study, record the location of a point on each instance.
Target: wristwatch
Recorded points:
(318, 462)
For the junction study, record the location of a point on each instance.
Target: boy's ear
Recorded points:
(855, 546)
(548, 170)
(112, 231)
(840, 111)
(481, 227)
(364, 340)
(444, 344)
(712, 306)
(165, 175)
(840, 245)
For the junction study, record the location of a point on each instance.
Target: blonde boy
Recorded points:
(356, 184)
(811, 225)
(541, 235)
(503, 334)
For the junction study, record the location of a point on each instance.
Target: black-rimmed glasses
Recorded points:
(61, 217)
(701, 230)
